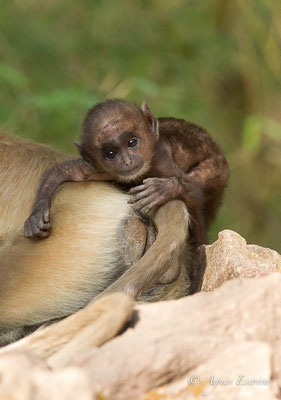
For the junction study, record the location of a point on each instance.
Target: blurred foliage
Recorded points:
(216, 63)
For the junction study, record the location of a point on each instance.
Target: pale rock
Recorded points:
(227, 375)
(230, 257)
(276, 366)
(226, 333)
(26, 377)
(169, 339)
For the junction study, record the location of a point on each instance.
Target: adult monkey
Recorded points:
(90, 247)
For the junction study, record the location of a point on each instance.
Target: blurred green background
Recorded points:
(216, 63)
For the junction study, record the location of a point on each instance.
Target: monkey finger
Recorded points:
(46, 216)
(146, 209)
(27, 229)
(143, 202)
(137, 189)
(42, 234)
(35, 225)
(152, 181)
(30, 230)
(142, 194)
(46, 227)
(43, 225)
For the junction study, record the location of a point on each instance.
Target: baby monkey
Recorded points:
(158, 159)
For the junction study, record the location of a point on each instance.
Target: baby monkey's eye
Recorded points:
(132, 142)
(110, 154)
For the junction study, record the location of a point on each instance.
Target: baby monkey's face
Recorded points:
(119, 139)
(125, 156)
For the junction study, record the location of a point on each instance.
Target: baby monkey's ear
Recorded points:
(78, 145)
(151, 119)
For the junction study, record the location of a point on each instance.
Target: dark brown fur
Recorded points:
(157, 159)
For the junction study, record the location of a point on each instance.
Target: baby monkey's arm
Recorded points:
(201, 189)
(38, 223)
(157, 191)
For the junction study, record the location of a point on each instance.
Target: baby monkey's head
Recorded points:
(119, 138)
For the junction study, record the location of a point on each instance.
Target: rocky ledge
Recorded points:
(221, 343)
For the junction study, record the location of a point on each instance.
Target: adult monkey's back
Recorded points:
(90, 247)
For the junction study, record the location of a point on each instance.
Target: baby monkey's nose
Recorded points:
(127, 159)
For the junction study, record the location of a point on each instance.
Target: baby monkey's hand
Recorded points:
(154, 192)
(38, 223)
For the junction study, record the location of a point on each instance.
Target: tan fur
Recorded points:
(41, 280)
(52, 278)
(105, 318)
(166, 253)
(22, 163)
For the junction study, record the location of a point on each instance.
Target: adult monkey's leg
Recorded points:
(166, 253)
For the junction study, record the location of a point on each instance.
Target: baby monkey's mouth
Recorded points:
(132, 171)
